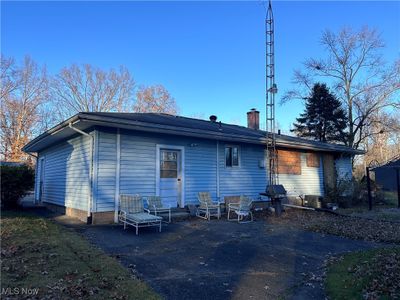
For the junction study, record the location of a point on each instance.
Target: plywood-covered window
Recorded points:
(313, 160)
(289, 162)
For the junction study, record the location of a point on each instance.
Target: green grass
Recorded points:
(390, 198)
(374, 273)
(385, 211)
(40, 254)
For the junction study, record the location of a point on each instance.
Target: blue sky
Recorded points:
(209, 55)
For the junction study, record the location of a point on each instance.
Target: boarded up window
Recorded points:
(313, 160)
(289, 162)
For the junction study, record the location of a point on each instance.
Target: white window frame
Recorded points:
(239, 155)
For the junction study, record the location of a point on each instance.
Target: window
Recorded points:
(169, 164)
(232, 156)
(289, 162)
(313, 160)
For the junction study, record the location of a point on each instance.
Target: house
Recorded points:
(386, 176)
(85, 162)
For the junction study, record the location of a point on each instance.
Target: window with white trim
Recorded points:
(231, 156)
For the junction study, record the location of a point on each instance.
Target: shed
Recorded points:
(386, 176)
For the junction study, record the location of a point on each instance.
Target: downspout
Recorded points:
(89, 201)
(218, 192)
(117, 177)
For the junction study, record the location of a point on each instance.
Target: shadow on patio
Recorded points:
(223, 260)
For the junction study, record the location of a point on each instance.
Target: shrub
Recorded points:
(16, 181)
(347, 193)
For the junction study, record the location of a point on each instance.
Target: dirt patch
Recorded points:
(351, 227)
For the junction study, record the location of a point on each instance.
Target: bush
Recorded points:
(16, 181)
(347, 193)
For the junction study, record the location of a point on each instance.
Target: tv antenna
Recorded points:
(271, 90)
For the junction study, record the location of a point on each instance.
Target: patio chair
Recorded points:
(133, 213)
(156, 207)
(207, 208)
(241, 209)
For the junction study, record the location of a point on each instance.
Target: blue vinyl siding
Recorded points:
(246, 179)
(310, 182)
(138, 164)
(344, 169)
(138, 167)
(66, 174)
(106, 144)
(68, 166)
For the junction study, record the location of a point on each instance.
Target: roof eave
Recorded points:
(49, 132)
(321, 149)
(182, 131)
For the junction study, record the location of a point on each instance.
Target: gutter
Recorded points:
(51, 131)
(90, 199)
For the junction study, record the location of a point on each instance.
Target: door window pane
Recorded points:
(168, 174)
(169, 164)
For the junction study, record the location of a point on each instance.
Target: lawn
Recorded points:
(372, 274)
(40, 256)
(387, 210)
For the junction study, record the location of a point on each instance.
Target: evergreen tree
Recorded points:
(324, 119)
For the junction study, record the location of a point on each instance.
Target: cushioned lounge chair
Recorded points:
(133, 213)
(156, 207)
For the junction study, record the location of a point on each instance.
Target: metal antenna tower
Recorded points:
(271, 90)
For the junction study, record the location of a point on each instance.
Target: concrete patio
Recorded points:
(224, 260)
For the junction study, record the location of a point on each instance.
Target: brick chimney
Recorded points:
(253, 119)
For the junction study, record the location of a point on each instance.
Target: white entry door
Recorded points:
(170, 177)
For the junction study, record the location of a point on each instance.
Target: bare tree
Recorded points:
(363, 82)
(24, 93)
(155, 99)
(8, 76)
(86, 88)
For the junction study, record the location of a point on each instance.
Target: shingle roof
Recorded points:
(182, 122)
(393, 162)
(165, 123)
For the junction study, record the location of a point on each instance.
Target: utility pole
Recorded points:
(271, 90)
